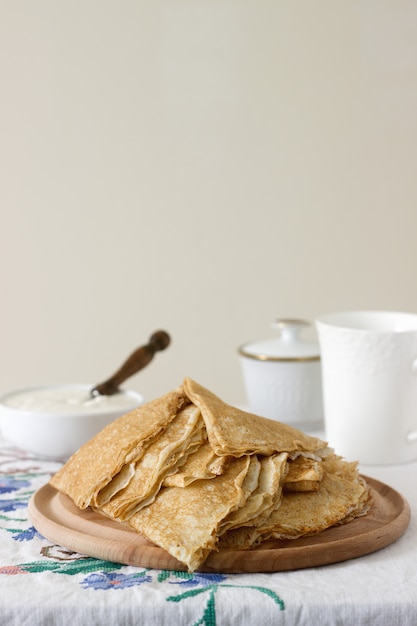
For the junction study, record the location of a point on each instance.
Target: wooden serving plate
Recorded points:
(57, 518)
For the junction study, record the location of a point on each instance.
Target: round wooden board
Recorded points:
(57, 518)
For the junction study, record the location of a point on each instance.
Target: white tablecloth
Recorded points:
(45, 585)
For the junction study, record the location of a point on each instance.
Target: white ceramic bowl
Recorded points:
(53, 422)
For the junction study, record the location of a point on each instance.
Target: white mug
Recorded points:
(369, 370)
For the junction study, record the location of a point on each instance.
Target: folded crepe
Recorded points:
(184, 521)
(183, 435)
(203, 463)
(194, 474)
(113, 449)
(235, 432)
(337, 501)
(264, 498)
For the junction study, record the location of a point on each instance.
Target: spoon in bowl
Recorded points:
(133, 364)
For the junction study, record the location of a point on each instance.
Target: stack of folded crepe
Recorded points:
(194, 474)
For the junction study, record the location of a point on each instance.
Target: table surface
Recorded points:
(45, 584)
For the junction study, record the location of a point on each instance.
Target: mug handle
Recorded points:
(412, 435)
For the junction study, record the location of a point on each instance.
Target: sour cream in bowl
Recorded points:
(53, 422)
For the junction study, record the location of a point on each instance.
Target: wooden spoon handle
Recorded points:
(135, 362)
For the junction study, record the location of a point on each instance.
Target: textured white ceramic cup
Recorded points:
(369, 373)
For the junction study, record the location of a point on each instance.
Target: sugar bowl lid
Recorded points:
(288, 346)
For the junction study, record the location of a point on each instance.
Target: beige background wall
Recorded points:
(202, 166)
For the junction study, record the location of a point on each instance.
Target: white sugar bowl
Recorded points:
(282, 376)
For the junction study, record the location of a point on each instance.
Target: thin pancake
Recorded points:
(184, 520)
(264, 498)
(336, 502)
(235, 432)
(202, 464)
(160, 458)
(310, 513)
(94, 465)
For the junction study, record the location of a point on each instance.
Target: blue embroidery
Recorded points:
(8, 484)
(26, 535)
(114, 580)
(11, 505)
(198, 579)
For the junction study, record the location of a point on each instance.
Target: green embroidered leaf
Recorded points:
(209, 615)
(165, 574)
(81, 566)
(85, 566)
(275, 597)
(188, 594)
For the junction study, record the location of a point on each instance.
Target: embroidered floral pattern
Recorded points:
(209, 585)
